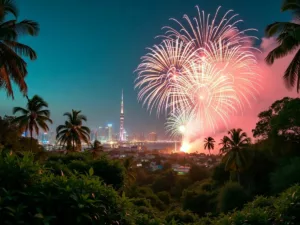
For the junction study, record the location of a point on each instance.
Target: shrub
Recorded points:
(198, 173)
(220, 175)
(17, 173)
(112, 172)
(30, 195)
(231, 196)
(181, 183)
(57, 168)
(197, 201)
(181, 217)
(164, 197)
(78, 166)
(164, 182)
(286, 175)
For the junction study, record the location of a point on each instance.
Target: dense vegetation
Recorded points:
(255, 183)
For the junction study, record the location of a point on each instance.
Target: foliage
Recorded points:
(164, 197)
(13, 67)
(219, 174)
(236, 157)
(209, 144)
(231, 196)
(32, 196)
(288, 38)
(10, 137)
(286, 175)
(111, 172)
(34, 116)
(72, 133)
(181, 217)
(164, 182)
(198, 173)
(197, 201)
(281, 119)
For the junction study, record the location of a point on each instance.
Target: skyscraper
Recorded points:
(152, 136)
(122, 120)
(109, 132)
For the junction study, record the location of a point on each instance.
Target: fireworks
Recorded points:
(158, 72)
(200, 74)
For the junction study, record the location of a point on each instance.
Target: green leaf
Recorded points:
(91, 171)
(39, 215)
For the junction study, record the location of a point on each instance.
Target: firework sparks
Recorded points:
(158, 72)
(178, 121)
(202, 29)
(201, 73)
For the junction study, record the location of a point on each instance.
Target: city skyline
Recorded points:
(107, 68)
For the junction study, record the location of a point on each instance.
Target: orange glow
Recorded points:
(185, 147)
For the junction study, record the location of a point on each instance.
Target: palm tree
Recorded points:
(235, 157)
(209, 143)
(72, 132)
(96, 148)
(12, 67)
(33, 117)
(288, 38)
(225, 145)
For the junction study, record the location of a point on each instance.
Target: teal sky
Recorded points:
(87, 52)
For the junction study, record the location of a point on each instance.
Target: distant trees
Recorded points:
(34, 116)
(12, 66)
(288, 36)
(281, 119)
(72, 133)
(209, 144)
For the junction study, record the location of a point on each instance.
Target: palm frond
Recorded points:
(22, 49)
(287, 46)
(21, 110)
(27, 27)
(6, 7)
(292, 73)
(290, 5)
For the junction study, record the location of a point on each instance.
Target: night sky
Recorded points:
(87, 52)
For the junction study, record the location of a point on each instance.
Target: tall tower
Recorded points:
(122, 119)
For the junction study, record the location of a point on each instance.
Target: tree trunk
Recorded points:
(238, 177)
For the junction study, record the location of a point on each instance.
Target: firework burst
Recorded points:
(204, 29)
(203, 72)
(159, 71)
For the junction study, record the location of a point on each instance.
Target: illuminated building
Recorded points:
(152, 136)
(122, 120)
(109, 132)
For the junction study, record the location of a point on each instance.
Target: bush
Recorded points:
(78, 166)
(285, 209)
(112, 172)
(197, 201)
(220, 175)
(198, 173)
(17, 173)
(164, 197)
(181, 183)
(286, 176)
(181, 217)
(231, 196)
(30, 195)
(164, 182)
